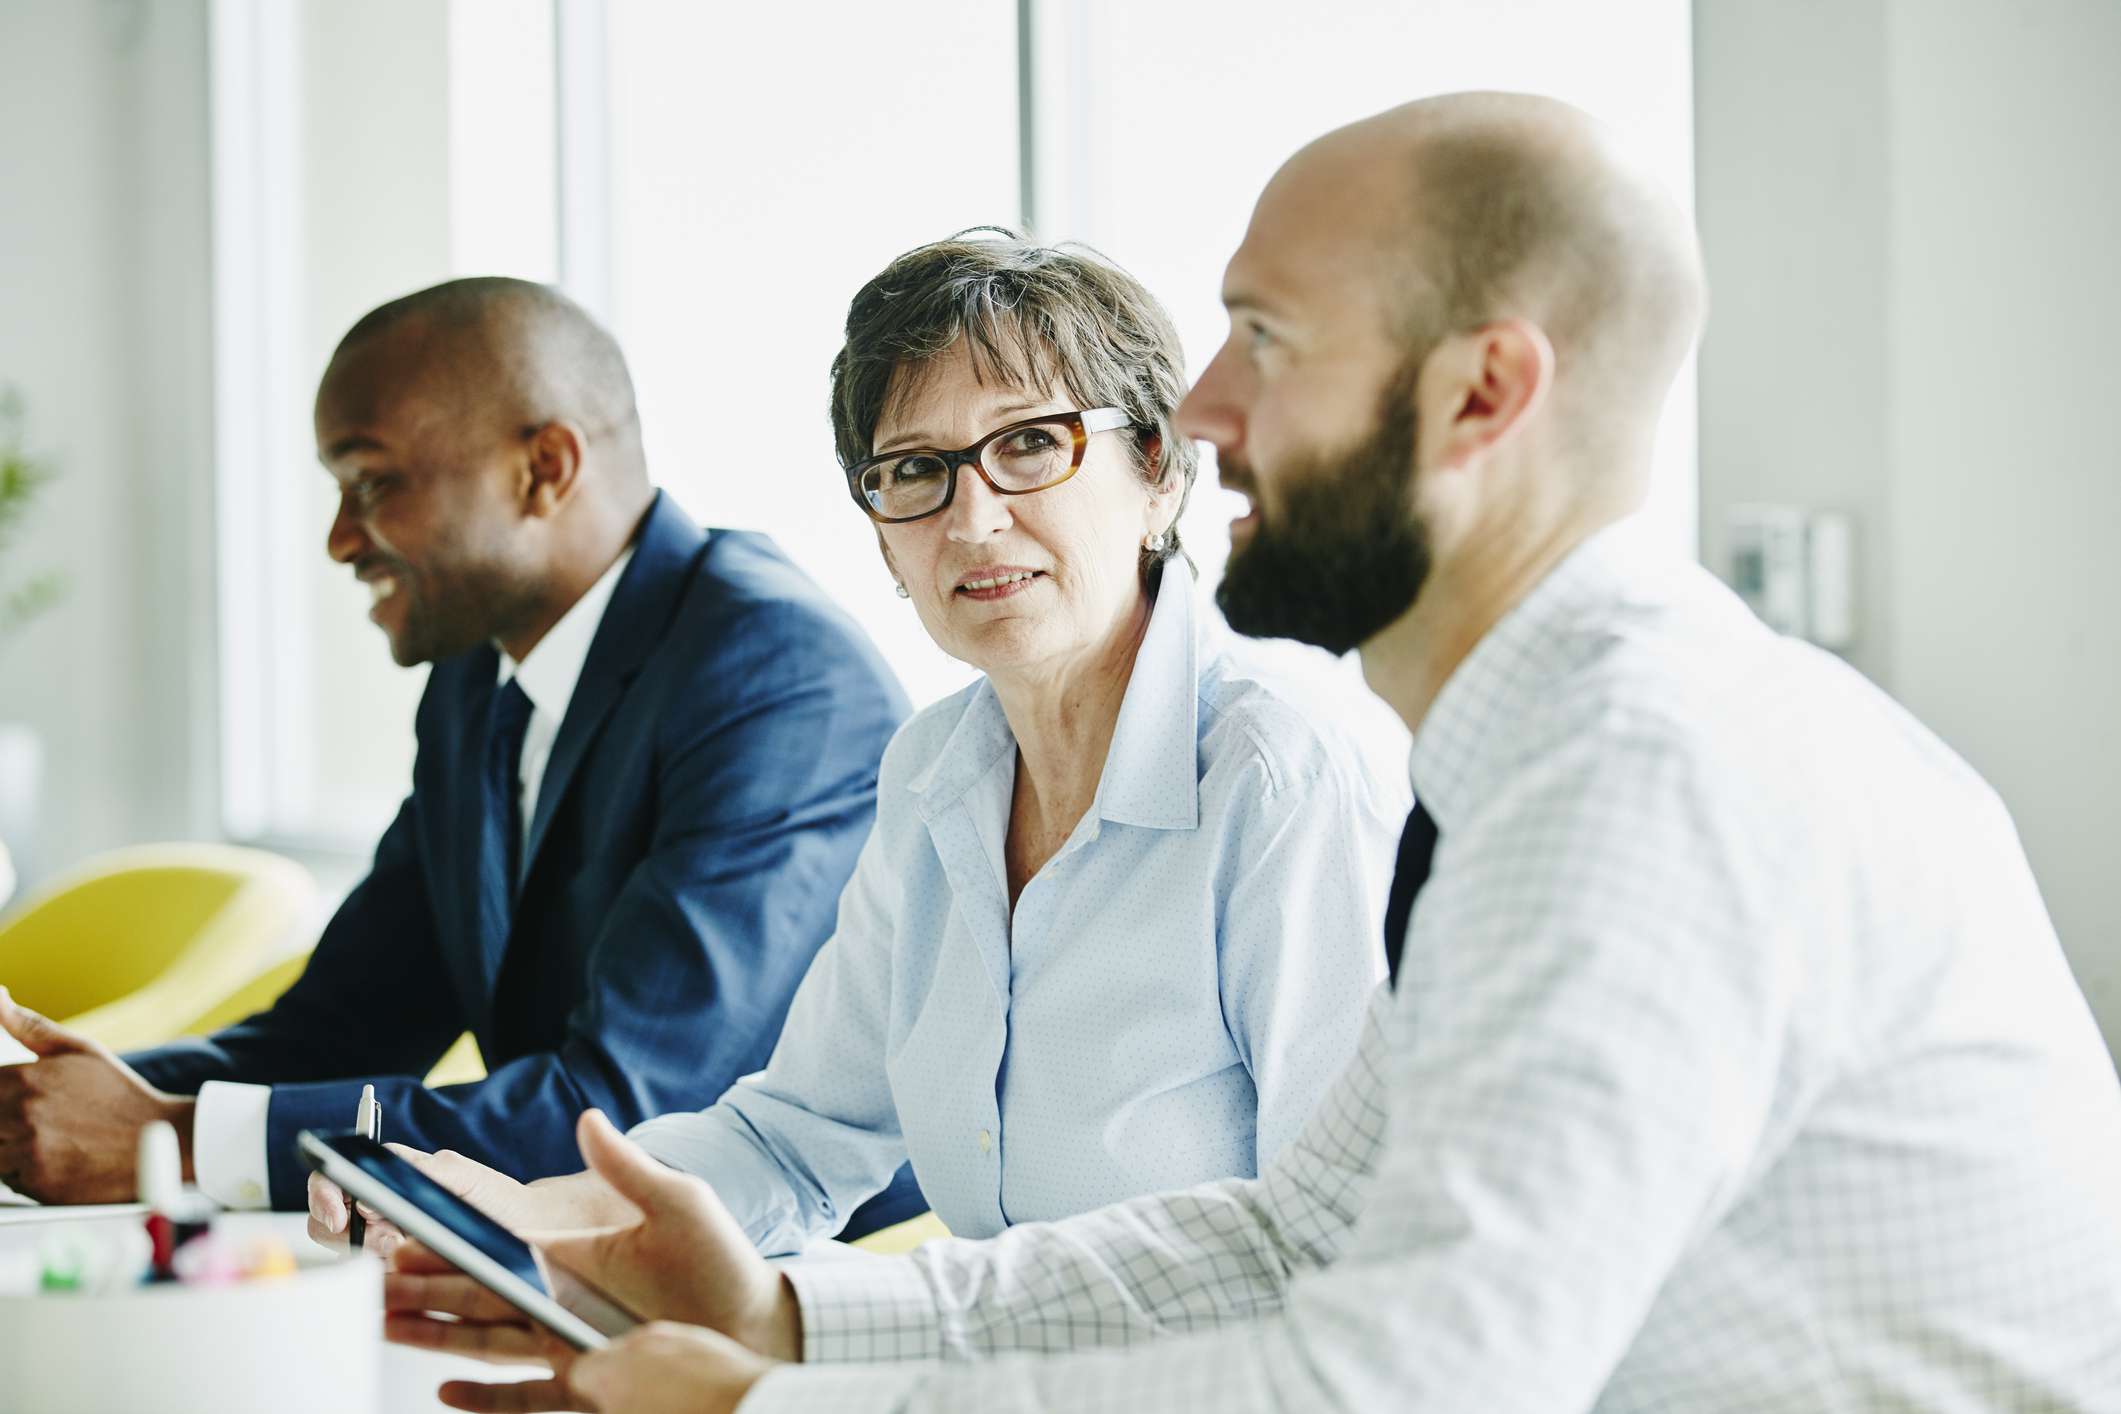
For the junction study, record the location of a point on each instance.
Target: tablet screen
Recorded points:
(445, 1207)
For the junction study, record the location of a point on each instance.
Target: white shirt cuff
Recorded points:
(228, 1144)
(864, 1312)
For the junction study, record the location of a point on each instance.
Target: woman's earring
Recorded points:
(903, 592)
(1154, 544)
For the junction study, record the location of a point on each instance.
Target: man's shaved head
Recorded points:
(518, 350)
(1453, 329)
(1516, 205)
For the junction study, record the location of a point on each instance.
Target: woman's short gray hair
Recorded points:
(1031, 315)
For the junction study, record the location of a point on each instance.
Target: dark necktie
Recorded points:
(501, 837)
(1417, 846)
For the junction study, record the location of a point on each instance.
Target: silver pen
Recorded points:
(368, 1123)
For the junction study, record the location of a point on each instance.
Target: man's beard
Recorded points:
(1344, 555)
(470, 608)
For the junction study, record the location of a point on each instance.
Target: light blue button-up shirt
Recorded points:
(1175, 990)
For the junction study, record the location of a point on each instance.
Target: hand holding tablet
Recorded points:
(467, 1239)
(662, 1246)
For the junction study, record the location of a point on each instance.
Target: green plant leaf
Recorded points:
(21, 477)
(29, 599)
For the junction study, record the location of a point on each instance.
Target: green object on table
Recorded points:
(65, 1264)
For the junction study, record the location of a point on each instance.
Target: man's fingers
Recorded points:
(413, 1258)
(495, 1344)
(530, 1395)
(625, 1165)
(17, 1163)
(453, 1295)
(39, 1033)
(383, 1238)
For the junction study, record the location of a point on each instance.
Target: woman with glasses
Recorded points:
(1119, 916)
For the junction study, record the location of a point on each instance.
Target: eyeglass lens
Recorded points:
(1025, 459)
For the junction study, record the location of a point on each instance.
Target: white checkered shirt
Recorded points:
(1733, 1065)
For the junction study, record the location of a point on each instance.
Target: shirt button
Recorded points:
(986, 1141)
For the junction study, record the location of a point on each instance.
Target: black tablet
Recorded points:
(467, 1239)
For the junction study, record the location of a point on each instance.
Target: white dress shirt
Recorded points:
(228, 1128)
(1733, 1064)
(1164, 1005)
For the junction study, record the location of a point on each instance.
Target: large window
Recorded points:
(716, 181)
(766, 161)
(361, 151)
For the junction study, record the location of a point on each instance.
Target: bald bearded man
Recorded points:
(647, 762)
(1730, 1061)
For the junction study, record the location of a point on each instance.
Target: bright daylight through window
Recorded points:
(717, 187)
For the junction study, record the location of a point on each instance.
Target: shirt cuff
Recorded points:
(877, 1310)
(844, 1389)
(708, 1144)
(228, 1143)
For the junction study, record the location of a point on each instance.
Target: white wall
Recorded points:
(103, 325)
(2006, 450)
(1791, 184)
(1909, 209)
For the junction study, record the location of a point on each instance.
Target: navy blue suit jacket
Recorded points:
(703, 805)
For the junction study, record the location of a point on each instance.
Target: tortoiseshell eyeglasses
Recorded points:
(1032, 455)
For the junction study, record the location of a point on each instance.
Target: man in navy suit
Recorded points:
(647, 761)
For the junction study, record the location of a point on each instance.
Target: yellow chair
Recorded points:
(462, 1063)
(252, 997)
(134, 942)
(903, 1237)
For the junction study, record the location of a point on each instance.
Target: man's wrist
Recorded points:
(181, 1111)
(782, 1338)
(881, 1308)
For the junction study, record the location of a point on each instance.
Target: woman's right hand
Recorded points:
(329, 1209)
(676, 1255)
(571, 1203)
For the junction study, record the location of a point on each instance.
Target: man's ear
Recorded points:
(555, 466)
(1478, 388)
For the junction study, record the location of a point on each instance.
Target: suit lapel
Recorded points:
(666, 551)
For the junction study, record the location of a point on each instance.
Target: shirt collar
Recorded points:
(550, 670)
(1151, 776)
(1466, 734)
(1152, 771)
